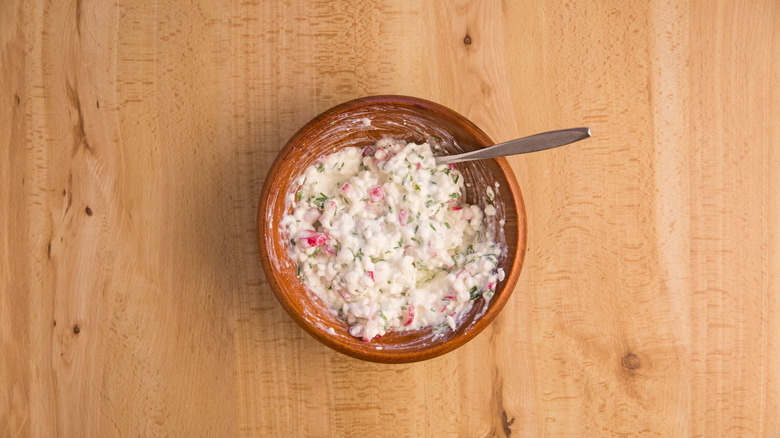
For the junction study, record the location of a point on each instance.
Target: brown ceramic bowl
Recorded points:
(410, 119)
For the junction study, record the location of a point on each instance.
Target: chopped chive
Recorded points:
(447, 224)
(319, 201)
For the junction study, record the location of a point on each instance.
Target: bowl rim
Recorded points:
(389, 355)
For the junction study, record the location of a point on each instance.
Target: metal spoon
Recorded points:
(537, 142)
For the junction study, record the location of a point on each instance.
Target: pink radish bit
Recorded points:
(314, 239)
(409, 318)
(376, 194)
(403, 215)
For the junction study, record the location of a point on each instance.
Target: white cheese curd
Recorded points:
(381, 235)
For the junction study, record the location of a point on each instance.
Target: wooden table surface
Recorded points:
(135, 137)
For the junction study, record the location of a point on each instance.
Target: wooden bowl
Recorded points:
(411, 119)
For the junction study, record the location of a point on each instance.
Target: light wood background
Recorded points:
(135, 137)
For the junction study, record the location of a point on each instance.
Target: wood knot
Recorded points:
(506, 424)
(630, 361)
(76, 329)
(18, 100)
(467, 40)
(88, 210)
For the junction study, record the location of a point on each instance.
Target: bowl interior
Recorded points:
(409, 119)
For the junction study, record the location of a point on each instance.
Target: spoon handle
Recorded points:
(537, 142)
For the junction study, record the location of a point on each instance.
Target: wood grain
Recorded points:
(135, 137)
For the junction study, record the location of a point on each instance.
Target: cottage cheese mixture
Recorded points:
(382, 235)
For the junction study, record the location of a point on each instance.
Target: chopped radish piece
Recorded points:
(329, 249)
(345, 188)
(311, 215)
(368, 151)
(491, 286)
(377, 194)
(409, 318)
(403, 215)
(314, 239)
(463, 272)
(371, 275)
(357, 330)
(380, 154)
(451, 166)
(419, 165)
(457, 208)
(345, 294)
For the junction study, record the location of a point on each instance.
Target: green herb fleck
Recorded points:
(320, 168)
(299, 195)
(319, 201)
(447, 224)
(474, 293)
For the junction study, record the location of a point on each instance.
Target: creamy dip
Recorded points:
(382, 235)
